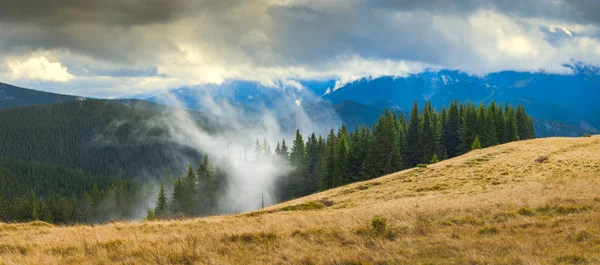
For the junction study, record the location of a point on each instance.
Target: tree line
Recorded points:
(344, 156)
(39, 191)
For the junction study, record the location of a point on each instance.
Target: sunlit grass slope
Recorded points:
(529, 202)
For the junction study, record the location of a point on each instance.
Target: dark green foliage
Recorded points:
(97, 136)
(326, 180)
(161, 204)
(385, 151)
(51, 193)
(412, 153)
(468, 129)
(476, 144)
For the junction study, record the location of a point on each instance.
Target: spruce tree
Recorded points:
(341, 175)
(386, 152)
(428, 137)
(476, 144)
(161, 203)
(451, 137)
(177, 198)
(499, 123)
(327, 176)
(468, 128)
(412, 154)
(313, 158)
(512, 133)
(298, 162)
(489, 127)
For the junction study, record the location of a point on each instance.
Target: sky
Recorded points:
(113, 48)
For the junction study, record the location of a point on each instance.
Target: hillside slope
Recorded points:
(97, 136)
(13, 97)
(528, 202)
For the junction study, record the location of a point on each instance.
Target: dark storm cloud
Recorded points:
(581, 11)
(113, 12)
(196, 40)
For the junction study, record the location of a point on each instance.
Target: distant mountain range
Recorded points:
(561, 105)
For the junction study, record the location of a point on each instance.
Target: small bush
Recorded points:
(571, 259)
(307, 206)
(525, 212)
(251, 237)
(581, 237)
(541, 159)
(380, 228)
(487, 231)
(561, 210)
(422, 165)
(379, 224)
(586, 135)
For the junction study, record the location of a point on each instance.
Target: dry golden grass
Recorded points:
(530, 202)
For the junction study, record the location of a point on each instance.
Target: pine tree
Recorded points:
(341, 175)
(451, 137)
(161, 204)
(499, 123)
(413, 155)
(428, 135)
(298, 162)
(177, 198)
(476, 144)
(386, 152)
(512, 133)
(489, 127)
(283, 152)
(468, 128)
(190, 194)
(313, 158)
(524, 124)
(434, 159)
(34, 207)
(326, 181)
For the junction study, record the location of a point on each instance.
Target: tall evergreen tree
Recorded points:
(451, 137)
(512, 133)
(327, 176)
(298, 162)
(468, 128)
(161, 204)
(489, 127)
(313, 158)
(413, 154)
(386, 152)
(428, 135)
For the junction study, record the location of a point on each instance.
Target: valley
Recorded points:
(532, 201)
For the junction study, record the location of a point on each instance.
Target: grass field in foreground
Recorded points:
(528, 202)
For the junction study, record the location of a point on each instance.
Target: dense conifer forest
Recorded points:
(344, 156)
(97, 136)
(75, 188)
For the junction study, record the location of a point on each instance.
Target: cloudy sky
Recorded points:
(115, 47)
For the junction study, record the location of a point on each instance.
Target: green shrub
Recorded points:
(526, 211)
(586, 135)
(571, 259)
(379, 224)
(488, 231)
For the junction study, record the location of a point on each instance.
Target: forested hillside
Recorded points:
(96, 136)
(346, 156)
(12, 97)
(39, 191)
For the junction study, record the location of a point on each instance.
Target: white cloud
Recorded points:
(38, 69)
(281, 42)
